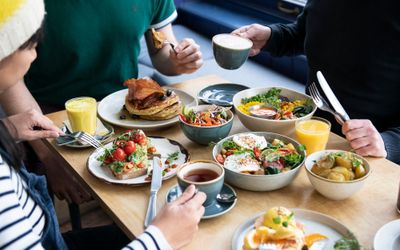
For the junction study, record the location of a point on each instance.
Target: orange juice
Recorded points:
(82, 114)
(313, 133)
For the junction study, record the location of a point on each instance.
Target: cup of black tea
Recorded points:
(207, 176)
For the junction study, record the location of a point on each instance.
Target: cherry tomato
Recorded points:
(108, 160)
(140, 165)
(119, 154)
(130, 147)
(167, 161)
(167, 170)
(127, 167)
(139, 138)
(257, 152)
(120, 143)
(151, 150)
(228, 153)
(220, 159)
(174, 166)
(183, 118)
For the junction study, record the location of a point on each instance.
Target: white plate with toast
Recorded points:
(164, 146)
(110, 109)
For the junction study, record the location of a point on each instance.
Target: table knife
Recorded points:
(331, 97)
(155, 185)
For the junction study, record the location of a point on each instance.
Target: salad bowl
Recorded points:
(284, 123)
(261, 182)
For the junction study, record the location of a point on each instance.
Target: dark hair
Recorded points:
(34, 39)
(8, 145)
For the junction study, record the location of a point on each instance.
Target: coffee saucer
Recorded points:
(215, 209)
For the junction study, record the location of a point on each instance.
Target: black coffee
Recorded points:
(201, 175)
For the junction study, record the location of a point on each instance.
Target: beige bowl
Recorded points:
(277, 126)
(334, 190)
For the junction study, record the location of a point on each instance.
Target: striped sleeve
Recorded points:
(151, 239)
(15, 229)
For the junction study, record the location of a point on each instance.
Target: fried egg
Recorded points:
(241, 163)
(250, 141)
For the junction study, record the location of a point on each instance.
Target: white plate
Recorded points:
(164, 147)
(388, 236)
(313, 222)
(109, 109)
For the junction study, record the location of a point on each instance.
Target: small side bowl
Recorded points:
(334, 190)
(260, 182)
(205, 135)
(261, 124)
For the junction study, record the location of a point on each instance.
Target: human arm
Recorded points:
(175, 225)
(17, 99)
(278, 39)
(186, 58)
(391, 138)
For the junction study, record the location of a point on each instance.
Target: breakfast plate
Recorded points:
(110, 110)
(215, 209)
(313, 222)
(220, 94)
(164, 146)
(388, 236)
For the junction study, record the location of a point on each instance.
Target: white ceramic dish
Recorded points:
(164, 147)
(334, 190)
(109, 109)
(260, 182)
(313, 222)
(388, 236)
(260, 124)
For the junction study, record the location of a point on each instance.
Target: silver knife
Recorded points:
(155, 185)
(331, 96)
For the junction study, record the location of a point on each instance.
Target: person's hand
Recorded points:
(257, 33)
(63, 184)
(187, 57)
(364, 138)
(31, 125)
(179, 220)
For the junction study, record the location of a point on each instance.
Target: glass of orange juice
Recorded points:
(313, 133)
(82, 114)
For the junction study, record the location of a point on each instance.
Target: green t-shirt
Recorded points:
(91, 47)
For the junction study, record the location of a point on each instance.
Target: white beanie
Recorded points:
(19, 20)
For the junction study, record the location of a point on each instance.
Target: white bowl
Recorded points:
(277, 126)
(260, 182)
(331, 189)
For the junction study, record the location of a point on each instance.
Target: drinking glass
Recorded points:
(82, 114)
(313, 133)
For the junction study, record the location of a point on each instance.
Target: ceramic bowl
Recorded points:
(205, 135)
(261, 182)
(230, 51)
(331, 189)
(253, 123)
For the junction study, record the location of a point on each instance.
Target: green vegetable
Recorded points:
(277, 220)
(117, 166)
(356, 162)
(271, 170)
(107, 153)
(348, 242)
(173, 156)
(272, 97)
(293, 159)
(228, 144)
(285, 224)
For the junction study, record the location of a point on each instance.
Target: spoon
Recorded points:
(226, 198)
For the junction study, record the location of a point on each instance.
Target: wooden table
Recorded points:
(364, 213)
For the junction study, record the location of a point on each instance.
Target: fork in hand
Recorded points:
(322, 103)
(83, 136)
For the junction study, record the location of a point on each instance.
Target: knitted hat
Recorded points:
(19, 20)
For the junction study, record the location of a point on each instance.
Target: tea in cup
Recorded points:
(231, 51)
(207, 176)
(82, 114)
(313, 133)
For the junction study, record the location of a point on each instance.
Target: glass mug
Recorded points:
(82, 114)
(313, 133)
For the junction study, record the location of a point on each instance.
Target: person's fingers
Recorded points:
(240, 30)
(359, 143)
(186, 42)
(189, 50)
(254, 52)
(37, 134)
(356, 133)
(200, 213)
(194, 65)
(187, 195)
(191, 58)
(354, 124)
(197, 201)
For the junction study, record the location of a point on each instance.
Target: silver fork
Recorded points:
(322, 103)
(83, 136)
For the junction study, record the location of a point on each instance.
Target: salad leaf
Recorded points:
(228, 144)
(117, 166)
(272, 97)
(348, 242)
(173, 156)
(293, 159)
